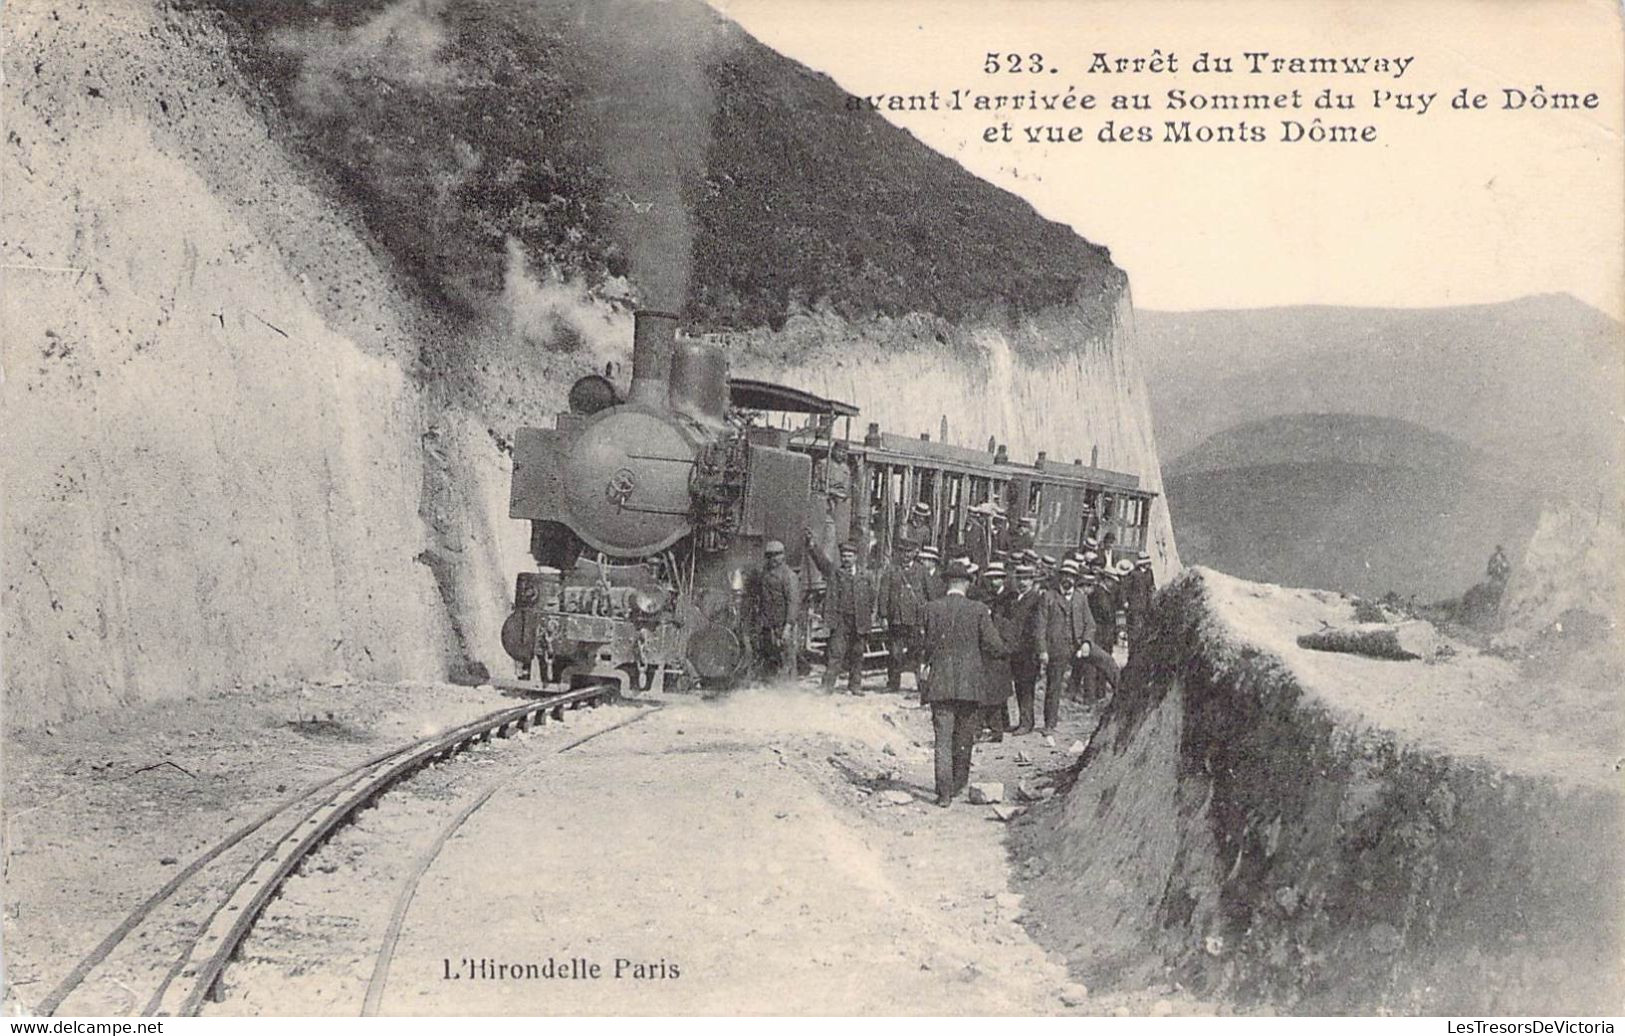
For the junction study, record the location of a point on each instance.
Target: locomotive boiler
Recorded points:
(648, 511)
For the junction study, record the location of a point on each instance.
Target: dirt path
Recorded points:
(721, 858)
(773, 852)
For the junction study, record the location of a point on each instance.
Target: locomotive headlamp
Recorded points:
(645, 603)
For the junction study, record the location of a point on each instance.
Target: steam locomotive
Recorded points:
(649, 512)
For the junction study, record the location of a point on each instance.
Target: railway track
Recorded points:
(169, 952)
(379, 979)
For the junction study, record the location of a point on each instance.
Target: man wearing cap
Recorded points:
(1140, 586)
(849, 609)
(1065, 628)
(778, 602)
(1023, 642)
(903, 594)
(960, 640)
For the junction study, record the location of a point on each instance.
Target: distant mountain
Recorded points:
(1328, 438)
(1346, 502)
(1536, 383)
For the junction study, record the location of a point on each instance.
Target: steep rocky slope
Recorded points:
(283, 279)
(1325, 833)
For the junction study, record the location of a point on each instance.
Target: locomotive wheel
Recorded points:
(715, 652)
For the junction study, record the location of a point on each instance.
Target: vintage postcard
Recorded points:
(813, 507)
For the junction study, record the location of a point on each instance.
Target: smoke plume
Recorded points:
(649, 77)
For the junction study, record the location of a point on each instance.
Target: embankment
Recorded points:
(1323, 833)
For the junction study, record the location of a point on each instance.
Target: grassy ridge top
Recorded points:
(452, 128)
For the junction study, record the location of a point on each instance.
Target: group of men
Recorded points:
(978, 635)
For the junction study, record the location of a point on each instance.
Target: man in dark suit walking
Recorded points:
(960, 641)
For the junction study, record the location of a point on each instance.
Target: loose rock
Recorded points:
(982, 793)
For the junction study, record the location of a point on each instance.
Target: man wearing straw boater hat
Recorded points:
(1065, 627)
(960, 641)
(905, 587)
(930, 563)
(1139, 587)
(1022, 625)
(993, 590)
(919, 528)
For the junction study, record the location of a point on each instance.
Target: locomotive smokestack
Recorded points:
(653, 336)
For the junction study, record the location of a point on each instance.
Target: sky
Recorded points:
(1443, 207)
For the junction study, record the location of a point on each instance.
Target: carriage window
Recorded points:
(925, 485)
(877, 490)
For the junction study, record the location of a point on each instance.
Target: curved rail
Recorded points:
(425, 860)
(326, 805)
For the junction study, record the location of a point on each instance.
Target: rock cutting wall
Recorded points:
(215, 430)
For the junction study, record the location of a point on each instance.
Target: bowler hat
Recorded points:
(773, 547)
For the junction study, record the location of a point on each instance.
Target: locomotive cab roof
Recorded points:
(751, 394)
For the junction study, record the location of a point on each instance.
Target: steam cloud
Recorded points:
(400, 44)
(557, 314)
